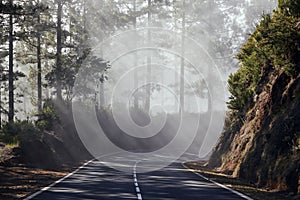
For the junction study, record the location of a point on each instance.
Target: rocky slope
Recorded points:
(265, 147)
(261, 140)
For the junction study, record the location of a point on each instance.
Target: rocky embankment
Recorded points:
(261, 140)
(265, 147)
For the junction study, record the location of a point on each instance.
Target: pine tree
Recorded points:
(275, 44)
(32, 36)
(9, 9)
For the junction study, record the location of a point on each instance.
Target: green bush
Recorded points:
(15, 132)
(47, 117)
(274, 45)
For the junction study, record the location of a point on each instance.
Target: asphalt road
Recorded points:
(97, 181)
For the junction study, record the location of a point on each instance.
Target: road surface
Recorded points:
(97, 181)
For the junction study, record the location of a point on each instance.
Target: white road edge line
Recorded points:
(219, 184)
(137, 189)
(58, 181)
(63, 178)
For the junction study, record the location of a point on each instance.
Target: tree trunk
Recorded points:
(1, 90)
(0, 103)
(11, 66)
(209, 93)
(176, 77)
(39, 65)
(102, 86)
(182, 59)
(135, 78)
(84, 15)
(102, 97)
(149, 61)
(58, 53)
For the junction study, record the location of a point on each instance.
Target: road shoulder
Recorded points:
(239, 185)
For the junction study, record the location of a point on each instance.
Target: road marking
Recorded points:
(219, 184)
(139, 196)
(68, 175)
(137, 189)
(58, 181)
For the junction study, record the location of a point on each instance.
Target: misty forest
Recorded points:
(150, 99)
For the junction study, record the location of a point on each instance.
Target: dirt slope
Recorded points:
(264, 147)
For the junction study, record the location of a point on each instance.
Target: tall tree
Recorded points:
(135, 78)
(182, 57)
(2, 56)
(39, 62)
(11, 112)
(8, 74)
(149, 61)
(58, 51)
(34, 31)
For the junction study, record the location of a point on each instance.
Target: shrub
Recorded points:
(47, 117)
(15, 132)
(275, 44)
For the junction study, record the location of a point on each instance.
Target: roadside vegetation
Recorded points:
(241, 185)
(261, 140)
(44, 44)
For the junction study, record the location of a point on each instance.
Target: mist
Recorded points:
(158, 72)
(165, 89)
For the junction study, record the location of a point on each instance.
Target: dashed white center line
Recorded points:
(139, 196)
(137, 189)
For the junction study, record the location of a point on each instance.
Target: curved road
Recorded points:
(96, 181)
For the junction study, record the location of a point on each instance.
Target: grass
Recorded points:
(6, 151)
(18, 180)
(241, 185)
(12, 145)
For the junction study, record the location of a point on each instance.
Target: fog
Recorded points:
(154, 87)
(165, 94)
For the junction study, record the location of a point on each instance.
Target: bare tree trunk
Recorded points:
(84, 14)
(102, 83)
(176, 81)
(0, 103)
(39, 64)
(1, 88)
(182, 58)
(135, 78)
(58, 53)
(162, 89)
(102, 93)
(176, 77)
(11, 112)
(209, 93)
(149, 61)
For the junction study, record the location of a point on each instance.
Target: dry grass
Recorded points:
(12, 145)
(18, 181)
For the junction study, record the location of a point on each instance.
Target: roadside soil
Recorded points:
(249, 189)
(18, 180)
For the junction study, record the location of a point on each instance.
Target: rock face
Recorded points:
(263, 146)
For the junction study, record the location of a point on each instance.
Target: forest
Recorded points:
(209, 80)
(43, 43)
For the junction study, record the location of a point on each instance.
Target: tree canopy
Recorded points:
(274, 44)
